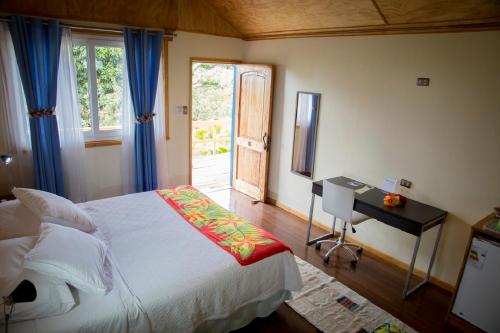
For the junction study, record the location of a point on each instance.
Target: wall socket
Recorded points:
(405, 183)
(423, 81)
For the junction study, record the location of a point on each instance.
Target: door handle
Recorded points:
(266, 141)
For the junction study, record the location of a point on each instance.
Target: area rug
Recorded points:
(332, 307)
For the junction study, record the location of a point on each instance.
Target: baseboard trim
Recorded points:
(373, 251)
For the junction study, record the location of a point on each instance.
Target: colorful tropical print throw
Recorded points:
(246, 242)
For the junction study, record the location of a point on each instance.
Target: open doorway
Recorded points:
(230, 126)
(212, 109)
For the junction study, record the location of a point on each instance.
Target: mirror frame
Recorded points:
(315, 134)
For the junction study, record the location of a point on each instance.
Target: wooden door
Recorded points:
(252, 130)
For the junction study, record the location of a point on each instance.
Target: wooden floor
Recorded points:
(378, 281)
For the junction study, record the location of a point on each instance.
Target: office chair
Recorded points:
(339, 202)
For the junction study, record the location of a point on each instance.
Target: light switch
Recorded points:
(182, 110)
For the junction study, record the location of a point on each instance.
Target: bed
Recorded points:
(169, 277)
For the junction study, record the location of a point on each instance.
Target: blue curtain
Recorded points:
(143, 52)
(37, 45)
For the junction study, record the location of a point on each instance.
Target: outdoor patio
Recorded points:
(211, 172)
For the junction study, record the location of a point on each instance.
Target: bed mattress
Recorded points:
(168, 277)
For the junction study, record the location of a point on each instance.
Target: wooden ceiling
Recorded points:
(142, 13)
(264, 19)
(267, 19)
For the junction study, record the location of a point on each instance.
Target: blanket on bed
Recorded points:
(246, 242)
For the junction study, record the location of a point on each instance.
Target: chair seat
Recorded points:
(357, 218)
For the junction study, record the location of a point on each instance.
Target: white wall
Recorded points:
(104, 176)
(104, 163)
(375, 122)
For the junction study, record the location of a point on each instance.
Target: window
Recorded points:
(99, 66)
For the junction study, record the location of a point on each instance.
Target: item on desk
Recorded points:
(363, 189)
(393, 200)
(390, 185)
(354, 183)
(402, 199)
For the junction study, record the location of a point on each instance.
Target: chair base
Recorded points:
(340, 243)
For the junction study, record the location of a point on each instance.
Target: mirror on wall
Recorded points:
(304, 139)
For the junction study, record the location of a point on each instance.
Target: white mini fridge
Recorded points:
(478, 297)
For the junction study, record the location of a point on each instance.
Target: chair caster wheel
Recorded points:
(354, 262)
(326, 260)
(360, 250)
(318, 246)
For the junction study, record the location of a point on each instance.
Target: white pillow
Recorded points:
(54, 209)
(16, 220)
(70, 255)
(53, 295)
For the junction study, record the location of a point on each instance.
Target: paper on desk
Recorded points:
(363, 189)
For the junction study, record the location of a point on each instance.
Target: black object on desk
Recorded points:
(413, 217)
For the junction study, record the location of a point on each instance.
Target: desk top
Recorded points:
(414, 217)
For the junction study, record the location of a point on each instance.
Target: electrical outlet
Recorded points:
(405, 183)
(423, 81)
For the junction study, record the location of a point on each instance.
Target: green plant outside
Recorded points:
(212, 100)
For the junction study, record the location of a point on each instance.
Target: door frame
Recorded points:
(209, 61)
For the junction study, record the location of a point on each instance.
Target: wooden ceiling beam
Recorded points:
(375, 4)
(391, 29)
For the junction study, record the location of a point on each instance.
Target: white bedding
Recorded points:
(167, 276)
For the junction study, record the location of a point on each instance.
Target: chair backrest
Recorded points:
(338, 200)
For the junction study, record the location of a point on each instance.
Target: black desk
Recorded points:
(413, 217)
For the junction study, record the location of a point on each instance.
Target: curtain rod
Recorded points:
(94, 28)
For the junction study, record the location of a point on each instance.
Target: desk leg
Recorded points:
(309, 222)
(329, 235)
(407, 292)
(412, 265)
(436, 243)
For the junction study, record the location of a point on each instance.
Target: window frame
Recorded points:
(91, 42)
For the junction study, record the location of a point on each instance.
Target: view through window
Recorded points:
(99, 70)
